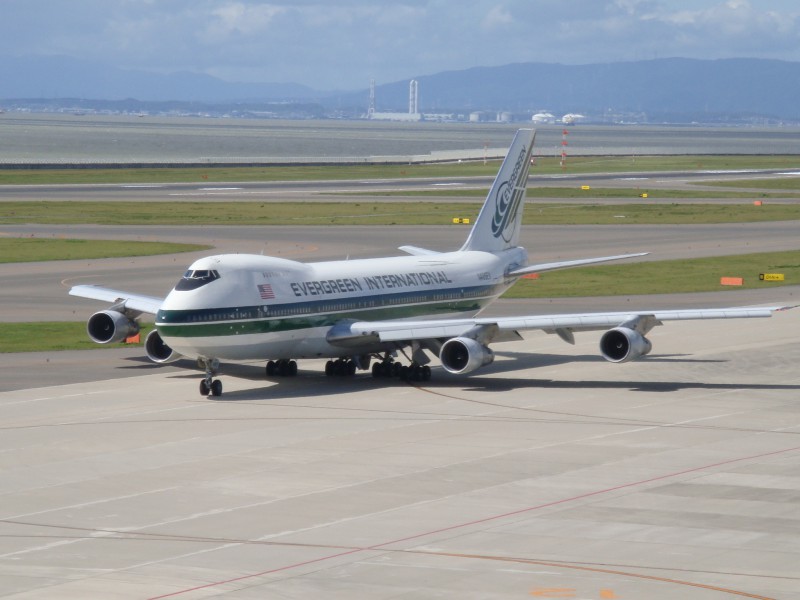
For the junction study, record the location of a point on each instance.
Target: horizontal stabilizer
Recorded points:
(567, 264)
(415, 251)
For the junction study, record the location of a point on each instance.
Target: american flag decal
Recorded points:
(265, 290)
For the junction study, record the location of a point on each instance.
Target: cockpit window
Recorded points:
(194, 279)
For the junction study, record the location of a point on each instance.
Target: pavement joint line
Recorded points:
(349, 519)
(84, 504)
(46, 398)
(382, 546)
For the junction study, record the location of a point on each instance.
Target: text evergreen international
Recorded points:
(378, 282)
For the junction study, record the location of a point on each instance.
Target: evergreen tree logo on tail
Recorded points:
(509, 198)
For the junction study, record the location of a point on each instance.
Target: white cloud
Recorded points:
(632, 7)
(732, 15)
(497, 17)
(238, 18)
(733, 27)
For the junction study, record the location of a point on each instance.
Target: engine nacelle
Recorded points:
(464, 355)
(110, 326)
(157, 350)
(622, 344)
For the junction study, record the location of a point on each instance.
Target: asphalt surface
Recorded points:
(549, 472)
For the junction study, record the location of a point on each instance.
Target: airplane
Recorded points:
(249, 307)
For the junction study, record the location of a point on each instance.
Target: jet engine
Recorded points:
(622, 344)
(464, 355)
(110, 326)
(157, 350)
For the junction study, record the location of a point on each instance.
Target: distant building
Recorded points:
(395, 116)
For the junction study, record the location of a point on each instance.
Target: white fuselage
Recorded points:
(240, 307)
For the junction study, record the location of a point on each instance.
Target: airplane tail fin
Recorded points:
(498, 224)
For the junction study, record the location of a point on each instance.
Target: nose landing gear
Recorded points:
(214, 388)
(210, 386)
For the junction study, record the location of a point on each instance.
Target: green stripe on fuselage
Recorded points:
(272, 318)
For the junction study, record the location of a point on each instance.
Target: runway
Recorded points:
(549, 474)
(96, 139)
(342, 191)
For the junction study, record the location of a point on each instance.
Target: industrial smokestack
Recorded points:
(371, 107)
(413, 97)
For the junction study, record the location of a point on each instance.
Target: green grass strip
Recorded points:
(52, 336)
(17, 250)
(378, 213)
(657, 213)
(662, 277)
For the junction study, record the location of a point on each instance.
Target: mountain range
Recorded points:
(45, 77)
(672, 89)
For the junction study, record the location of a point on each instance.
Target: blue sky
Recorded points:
(341, 44)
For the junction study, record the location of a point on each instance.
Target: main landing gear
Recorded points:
(412, 372)
(343, 367)
(387, 367)
(281, 368)
(210, 386)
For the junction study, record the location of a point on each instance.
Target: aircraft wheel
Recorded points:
(426, 373)
(272, 369)
(330, 369)
(292, 368)
(216, 388)
(204, 389)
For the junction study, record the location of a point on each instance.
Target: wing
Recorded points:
(124, 300)
(488, 329)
